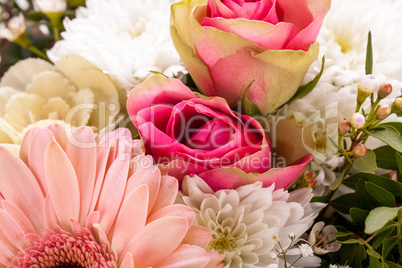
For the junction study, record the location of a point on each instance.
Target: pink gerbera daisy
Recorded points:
(77, 203)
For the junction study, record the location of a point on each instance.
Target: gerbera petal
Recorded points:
(81, 150)
(135, 206)
(167, 193)
(157, 241)
(26, 144)
(62, 185)
(173, 210)
(18, 216)
(20, 187)
(197, 235)
(112, 192)
(186, 256)
(12, 230)
(39, 143)
(50, 214)
(127, 261)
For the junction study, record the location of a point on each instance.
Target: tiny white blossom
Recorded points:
(15, 28)
(274, 256)
(306, 250)
(273, 266)
(292, 236)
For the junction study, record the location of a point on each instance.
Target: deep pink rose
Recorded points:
(227, 44)
(192, 135)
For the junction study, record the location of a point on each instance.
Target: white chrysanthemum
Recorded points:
(343, 40)
(248, 222)
(126, 39)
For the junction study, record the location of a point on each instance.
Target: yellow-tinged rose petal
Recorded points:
(23, 109)
(5, 95)
(50, 84)
(82, 107)
(87, 75)
(289, 138)
(55, 109)
(180, 14)
(22, 73)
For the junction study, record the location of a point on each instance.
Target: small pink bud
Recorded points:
(384, 91)
(366, 87)
(344, 127)
(308, 176)
(383, 111)
(397, 106)
(357, 120)
(360, 150)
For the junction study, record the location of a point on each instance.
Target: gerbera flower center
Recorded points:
(222, 242)
(58, 248)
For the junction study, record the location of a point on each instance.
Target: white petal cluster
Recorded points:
(14, 29)
(73, 92)
(52, 6)
(343, 41)
(126, 39)
(247, 223)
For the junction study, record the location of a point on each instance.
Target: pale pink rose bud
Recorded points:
(360, 150)
(366, 87)
(344, 127)
(357, 120)
(383, 111)
(384, 91)
(397, 106)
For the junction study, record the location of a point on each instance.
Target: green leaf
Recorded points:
(378, 217)
(249, 107)
(341, 234)
(398, 160)
(350, 241)
(358, 215)
(320, 199)
(348, 254)
(393, 264)
(36, 16)
(366, 163)
(396, 125)
(360, 255)
(385, 157)
(387, 246)
(389, 135)
(373, 253)
(369, 55)
(345, 202)
(76, 3)
(336, 183)
(384, 197)
(307, 88)
(391, 186)
(374, 263)
(379, 238)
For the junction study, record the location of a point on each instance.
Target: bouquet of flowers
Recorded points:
(200, 133)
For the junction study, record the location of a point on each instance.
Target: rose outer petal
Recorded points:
(264, 34)
(232, 178)
(157, 90)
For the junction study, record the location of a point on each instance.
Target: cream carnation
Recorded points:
(126, 39)
(248, 222)
(73, 92)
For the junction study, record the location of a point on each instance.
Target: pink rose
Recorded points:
(192, 135)
(227, 44)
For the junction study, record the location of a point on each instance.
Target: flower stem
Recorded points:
(38, 52)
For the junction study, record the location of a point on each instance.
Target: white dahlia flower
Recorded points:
(247, 223)
(126, 39)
